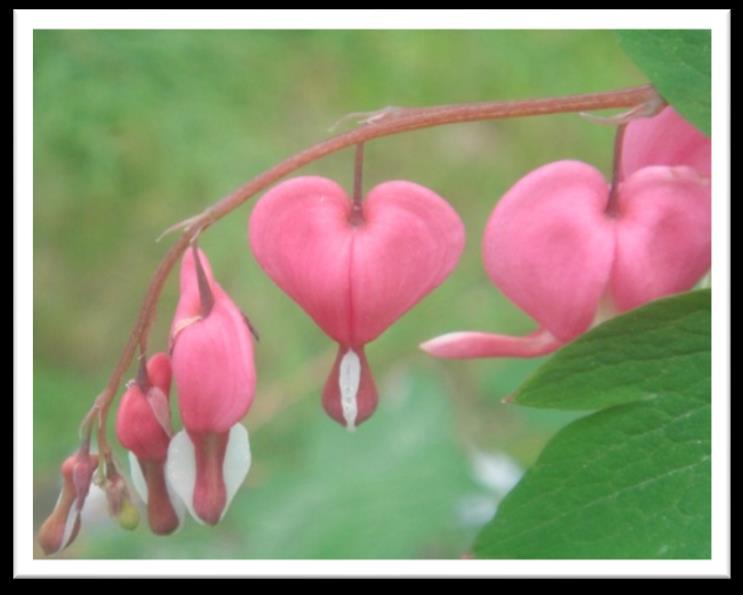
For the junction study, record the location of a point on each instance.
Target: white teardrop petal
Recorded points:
(349, 379)
(180, 470)
(175, 500)
(95, 508)
(69, 526)
(138, 480)
(237, 461)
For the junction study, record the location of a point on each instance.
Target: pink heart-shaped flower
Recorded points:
(553, 248)
(354, 280)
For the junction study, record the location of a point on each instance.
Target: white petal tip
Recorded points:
(138, 480)
(180, 468)
(349, 380)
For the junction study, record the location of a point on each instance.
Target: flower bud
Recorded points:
(143, 426)
(63, 524)
(119, 502)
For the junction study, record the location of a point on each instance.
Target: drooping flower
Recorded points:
(143, 426)
(354, 273)
(212, 360)
(559, 250)
(62, 526)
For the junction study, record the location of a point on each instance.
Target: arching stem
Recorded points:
(396, 122)
(612, 206)
(357, 212)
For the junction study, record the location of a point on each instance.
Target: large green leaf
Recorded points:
(633, 480)
(655, 350)
(678, 64)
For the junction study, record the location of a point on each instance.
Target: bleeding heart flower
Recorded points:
(62, 526)
(212, 359)
(143, 426)
(354, 275)
(555, 247)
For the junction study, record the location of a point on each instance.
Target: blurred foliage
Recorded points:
(135, 130)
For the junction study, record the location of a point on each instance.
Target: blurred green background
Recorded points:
(136, 130)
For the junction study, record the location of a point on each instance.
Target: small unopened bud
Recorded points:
(128, 516)
(63, 524)
(119, 501)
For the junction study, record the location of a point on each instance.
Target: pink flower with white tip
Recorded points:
(212, 360)
(354, 269)
(560, 247)
(143, 426)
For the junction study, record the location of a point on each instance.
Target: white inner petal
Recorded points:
(69, 526)
(140, 484)
(176, 502)
(237, 461)
(180, 468)
(349, 378)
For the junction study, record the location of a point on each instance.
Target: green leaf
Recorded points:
(678, 64)
(658, 349)
(632, 480)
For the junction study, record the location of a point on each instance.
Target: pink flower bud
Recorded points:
(63, 524)
(556, 249)
(354, 275)
(212, 357)
(138, 426)
(143, 426)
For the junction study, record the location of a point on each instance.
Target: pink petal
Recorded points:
(355, 281)
(137, 427)
(663, 235)
(666, 139)
(549, 247)
(300, 235)
(213, 369)
(410, 242)
(159, 371)
(164, 509)
(465, 345)
(189, 301)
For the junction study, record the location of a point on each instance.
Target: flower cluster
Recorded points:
(563, 244)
